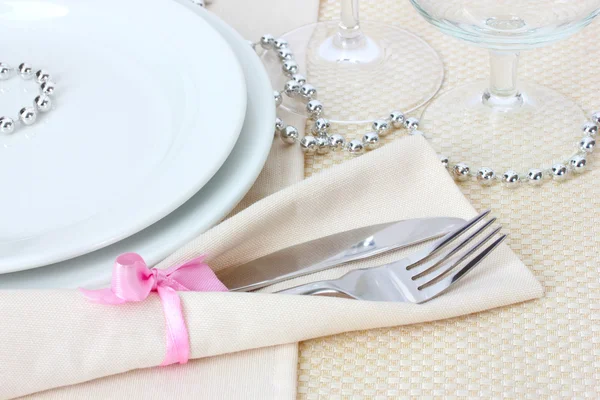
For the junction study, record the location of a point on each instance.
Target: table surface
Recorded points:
(544, 348)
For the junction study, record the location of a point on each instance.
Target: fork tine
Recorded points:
(450, 237)
(424, 269)
(450, 265)
(440, 287)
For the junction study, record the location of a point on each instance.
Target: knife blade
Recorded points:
(334, 250)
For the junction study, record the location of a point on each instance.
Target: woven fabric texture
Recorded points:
(548, 348)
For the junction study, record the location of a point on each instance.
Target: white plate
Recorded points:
(198, 214)
(142, 120)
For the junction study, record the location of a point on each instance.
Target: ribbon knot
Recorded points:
(133, 281)
(157, 275)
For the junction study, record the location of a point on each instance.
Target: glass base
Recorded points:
(544, 130)
(398, 69)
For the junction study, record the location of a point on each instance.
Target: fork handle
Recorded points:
(321, 287)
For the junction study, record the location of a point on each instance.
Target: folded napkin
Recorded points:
(83, 341)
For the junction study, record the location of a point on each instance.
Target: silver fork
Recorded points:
(421, 276)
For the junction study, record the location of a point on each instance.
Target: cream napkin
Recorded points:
(56, 338)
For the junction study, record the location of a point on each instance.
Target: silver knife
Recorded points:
(334, 250)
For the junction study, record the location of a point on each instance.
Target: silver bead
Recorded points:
(279, 125)
(7, 125)
(535, 176)
(587, 144)
(397, 119)
(308, 144)
(5, 71)
(299, 78)
(589, 128)
(308, 91)
(285, 54)
(323, 145)
(416, 132)
(25, 71)
(411, 123)
(278, 98)
(444, 160)
(370, 140)
(337, 142)
(461, 172)
(314, 108)
(578, 163)
(42, 76)
(381, 127)
(291, 89)
(596, 117)
(289, 134)
(27, 115)
(355, 147)
(280, 43)
(511, 178)
(48, 88)
(559, 172)
(289, 67)
(486, 176)
(321, 126)
(43, 103)
(267, 41)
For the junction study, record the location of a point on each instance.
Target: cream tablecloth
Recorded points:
(548, 348)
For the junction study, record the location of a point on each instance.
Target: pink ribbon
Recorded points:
(133, 281)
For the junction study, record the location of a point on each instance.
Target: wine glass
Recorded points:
(527, 124)
(342, 59)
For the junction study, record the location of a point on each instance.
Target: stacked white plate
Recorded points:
(162, 120)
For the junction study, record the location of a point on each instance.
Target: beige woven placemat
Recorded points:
(548, 348)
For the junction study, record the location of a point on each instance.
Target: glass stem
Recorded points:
(502, 92)
(349, 35)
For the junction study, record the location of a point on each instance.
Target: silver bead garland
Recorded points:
(41, 103)
(298, 88)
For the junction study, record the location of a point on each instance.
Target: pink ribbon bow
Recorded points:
(132, 281)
